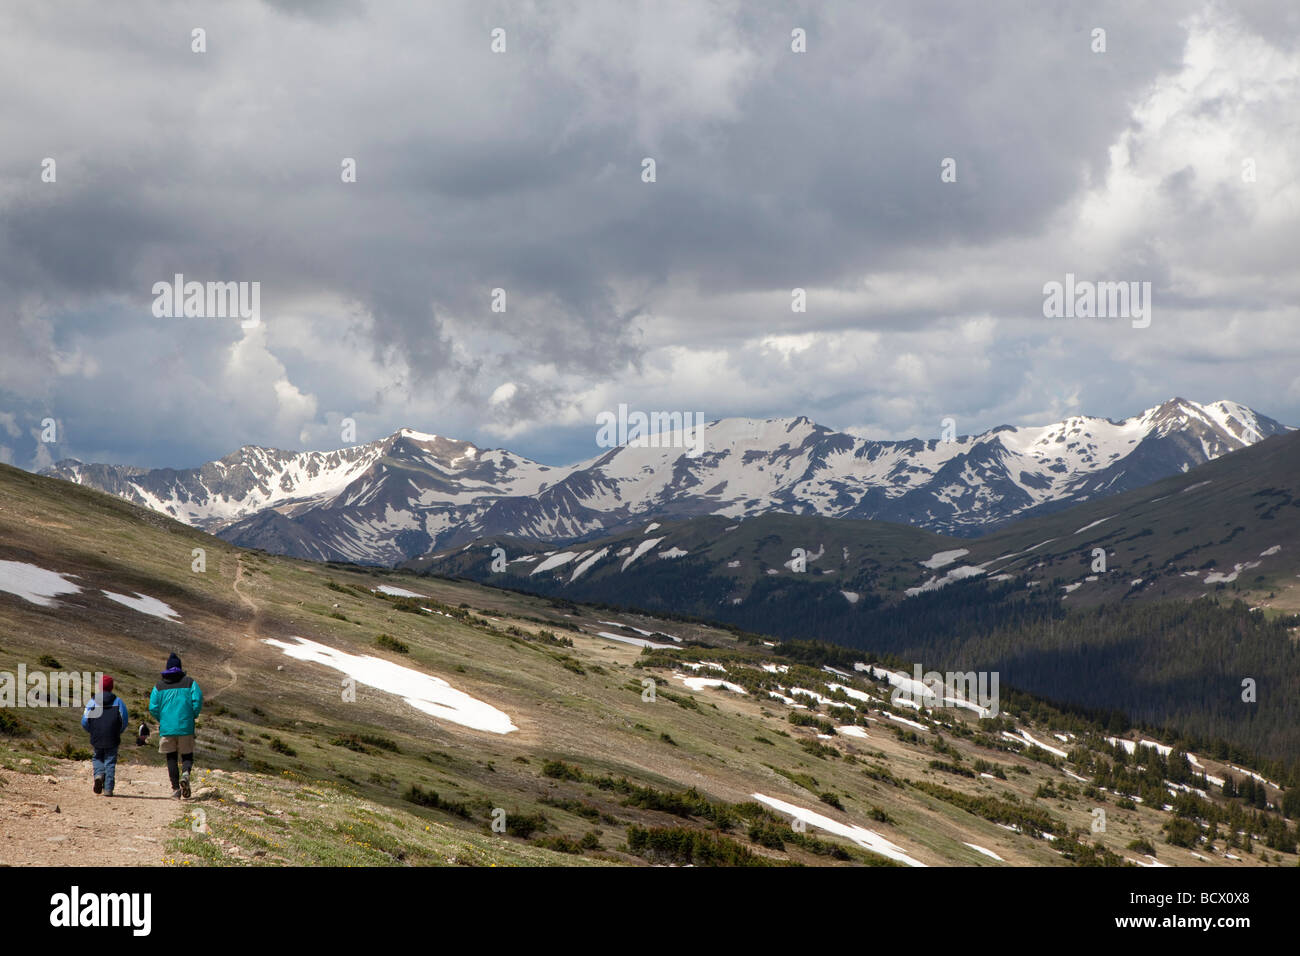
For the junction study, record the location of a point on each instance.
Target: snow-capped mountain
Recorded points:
(409, 493)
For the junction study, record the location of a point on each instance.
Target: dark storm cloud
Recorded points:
(522, 171)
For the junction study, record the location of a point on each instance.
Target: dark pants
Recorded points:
(173, 772)
(104, 763)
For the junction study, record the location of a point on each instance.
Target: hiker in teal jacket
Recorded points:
(174, 702)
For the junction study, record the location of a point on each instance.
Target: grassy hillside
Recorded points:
(1157, 603)
(599, 770)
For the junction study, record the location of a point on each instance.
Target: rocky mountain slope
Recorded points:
(411, 493)
(1232, 524)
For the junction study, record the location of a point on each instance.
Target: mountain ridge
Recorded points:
(1232, 526)
(410, 493)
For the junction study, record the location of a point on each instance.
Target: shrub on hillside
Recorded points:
(392, 644)
(1180, 832)
(559, 770)
(684, 846)
(524, 825)
(11, 726)
(803, 719)
(69, 752)
(429, 798)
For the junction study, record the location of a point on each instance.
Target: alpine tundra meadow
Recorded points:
(606, 439)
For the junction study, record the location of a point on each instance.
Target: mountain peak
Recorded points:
(412, 433)
(1177, 404)
(449, 450)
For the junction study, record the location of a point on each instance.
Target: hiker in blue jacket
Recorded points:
(175, 701)
(104, 719)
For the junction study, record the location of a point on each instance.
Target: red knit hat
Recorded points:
(106, 683)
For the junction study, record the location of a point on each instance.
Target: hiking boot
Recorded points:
(176, 794)
(99, 784)
(108, 793)
(185, 785)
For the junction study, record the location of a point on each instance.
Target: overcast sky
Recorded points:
(522, 170)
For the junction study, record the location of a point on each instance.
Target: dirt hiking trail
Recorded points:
(128, 829)
(247, 641)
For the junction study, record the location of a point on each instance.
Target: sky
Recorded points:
(1169, 157)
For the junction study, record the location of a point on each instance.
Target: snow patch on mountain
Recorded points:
(700, 683)
(944, 558)
(145, 605)
(1094, 524)
(1024, 738)
(1219, 577)
(980, 849)
(956, 574)
(34, 584)
(641, 549)
(586, 565)
(626, 639)
(426, 693)
(865, 838)
(397, 592)
(554, 561)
